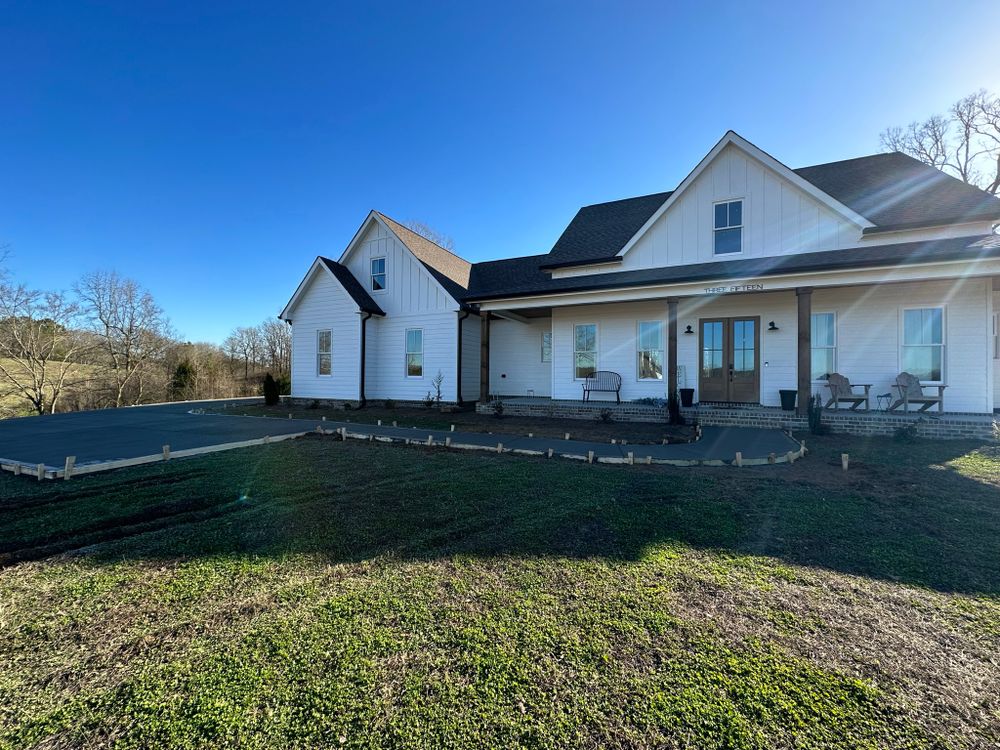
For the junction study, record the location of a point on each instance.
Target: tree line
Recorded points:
(107, 343)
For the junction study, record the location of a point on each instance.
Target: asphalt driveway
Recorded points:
(112, 434)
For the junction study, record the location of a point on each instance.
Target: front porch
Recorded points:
(949, 425)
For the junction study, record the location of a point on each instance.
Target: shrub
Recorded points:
(389, 404)
(348, 406)
(429, 400)
(674, 415)
(497, 406)
(436, 382)
(271, 393)
(314, 404)
(605, 416)
(183, 381)
(815, 414)
(907, 433)
(650, 401)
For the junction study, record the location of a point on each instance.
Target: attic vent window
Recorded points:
(729, 227)
(378, 274)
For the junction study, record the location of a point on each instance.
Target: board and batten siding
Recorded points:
(410, 289)
(386, 377)
(778, 219)
(516, 365)
(325, 305)
(616, 347)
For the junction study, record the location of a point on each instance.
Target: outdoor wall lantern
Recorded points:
(772, 327)
(688, 330)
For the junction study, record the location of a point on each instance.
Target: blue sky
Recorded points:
(211, 151)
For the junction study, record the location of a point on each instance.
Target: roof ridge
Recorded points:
(857, 158)
(632, 198)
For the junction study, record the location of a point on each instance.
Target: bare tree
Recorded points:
(277, 338)
(428, 232)
(40, 346)
(965, 142)
(131, 328)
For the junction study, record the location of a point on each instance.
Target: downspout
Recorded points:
(362, 401)
(465, 313)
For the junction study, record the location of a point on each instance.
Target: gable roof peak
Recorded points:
(434, 257)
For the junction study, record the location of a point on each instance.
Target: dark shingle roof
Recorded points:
(510, 274)
(600, 231)
(895, 191)
(353, 287)
(519, 277)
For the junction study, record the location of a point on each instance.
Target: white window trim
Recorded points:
(319, 332)
(384, 274)
(407, 353)
(597, 350)
(742, 226)
(661, 350)
(836, 340)
(944, 339)
(542, 348)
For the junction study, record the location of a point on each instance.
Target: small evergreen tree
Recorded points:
(271, 393)
(182, 382)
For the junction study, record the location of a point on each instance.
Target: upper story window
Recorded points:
(728, 227)
(547, 346)
(378, 274)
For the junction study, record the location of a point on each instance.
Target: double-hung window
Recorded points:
(547, 346)
(324, 352)
(649, 350)
(414, 352)
(824, 345)
(584, 350)
(378, 274)
(922, 352)
(728, 232)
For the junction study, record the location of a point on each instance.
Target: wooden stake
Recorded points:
(499, 447)
(612, 441)
(430, 440)
(17, 470)
(453, 428)
(322, 419)
(739, 459)
(567, 436)
(380, 423)
(166, 452)
(68, 467)
(267, 439)
(791, 457)
(649, 460)
(631, 458)
(771, 458)
(394, 423)
(40, 470)
(343, 433)
(550, 452)
(531, 434)
(590, 457)
(289, 415)
(844, 460)
(447, 442)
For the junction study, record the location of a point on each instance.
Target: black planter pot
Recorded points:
(788, 399)
(687, 396)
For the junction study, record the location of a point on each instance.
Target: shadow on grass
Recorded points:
(926, 514)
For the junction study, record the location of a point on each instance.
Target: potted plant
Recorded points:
(687, 396)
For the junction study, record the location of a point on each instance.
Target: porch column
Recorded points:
(671, 346)
(804, 297)
(484, 358)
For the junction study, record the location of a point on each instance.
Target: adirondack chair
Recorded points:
(841, 389)
(911, 392)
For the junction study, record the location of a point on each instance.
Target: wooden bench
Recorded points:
(841, 389)
(911, 392)
(605, 381)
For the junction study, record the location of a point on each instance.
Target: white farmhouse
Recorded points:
(747, 279)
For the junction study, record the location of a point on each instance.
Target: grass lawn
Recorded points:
(469, 421)
(315, 593)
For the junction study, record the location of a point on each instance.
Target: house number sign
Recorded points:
(734, 289)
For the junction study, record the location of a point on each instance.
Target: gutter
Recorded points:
(362, 401)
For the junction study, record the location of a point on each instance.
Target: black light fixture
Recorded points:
(688, 330)
(771, 326)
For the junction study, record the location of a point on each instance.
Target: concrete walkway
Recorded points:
(117, 434)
